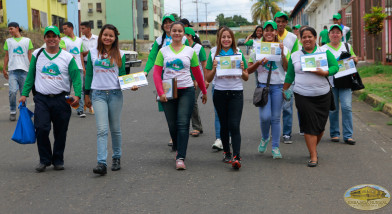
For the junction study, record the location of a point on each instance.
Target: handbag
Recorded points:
(24, 132)
(260, 96)
(332, 106)
(356, 82)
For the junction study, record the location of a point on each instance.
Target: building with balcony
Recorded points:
(37, 14)
(151, 19)
(93, 11)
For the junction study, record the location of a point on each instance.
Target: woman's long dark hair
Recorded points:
(163, 36)
(114, 53)
(254, 36)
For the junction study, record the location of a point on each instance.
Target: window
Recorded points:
(156, 25)
(44, 19)
(90, 7)
(99, 8)
(145, 22)
(145, 5)
(92, 24)
(146, 37)
(99, 24)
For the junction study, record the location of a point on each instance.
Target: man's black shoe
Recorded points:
(100, 169)
(116, 164)
(58, 167)
(40, 167)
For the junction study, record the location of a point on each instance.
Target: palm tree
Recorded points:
(262, 9)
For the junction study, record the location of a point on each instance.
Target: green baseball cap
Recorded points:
(168, 16)
(52, 28)
(337, 16)
(272, 23)
(280, 14)
(189, 31)
(337, 26)
(297, 26)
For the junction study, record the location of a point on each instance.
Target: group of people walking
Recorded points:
(91, 67)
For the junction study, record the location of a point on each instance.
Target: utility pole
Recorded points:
(197, 15)
(180, 10)
(134, 24)
(206, 19)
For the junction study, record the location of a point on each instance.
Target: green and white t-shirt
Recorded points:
(201, 54)
(18, 49)
(101, 74)
(178, 64)
(277, 71)
(74, 47)
(289, 41)
(52, 74)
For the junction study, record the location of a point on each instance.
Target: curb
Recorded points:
(375, 100)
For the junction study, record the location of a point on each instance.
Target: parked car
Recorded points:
(131, 60)
(241, 42)
(206, 43)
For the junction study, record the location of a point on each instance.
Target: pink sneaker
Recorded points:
(180, 165)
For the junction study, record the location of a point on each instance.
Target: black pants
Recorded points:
(50, 110)
(229, 105)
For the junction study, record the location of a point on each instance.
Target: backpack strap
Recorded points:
(35, 66)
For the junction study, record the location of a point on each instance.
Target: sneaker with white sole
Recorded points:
(180, 165)
(81, 114)
(276, 153)
(217, 145)
(287, 139)
(263, 145)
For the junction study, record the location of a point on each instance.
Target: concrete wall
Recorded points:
(120, 15)
(322, 15)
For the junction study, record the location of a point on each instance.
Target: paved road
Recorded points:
(148, 182)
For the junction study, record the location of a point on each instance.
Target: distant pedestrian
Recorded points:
(74, 45)
(341, 88)
(252, 39)
(296, 30)
(90, 42)
(228, 96)
(104, 65)
(195, 43)
(178, 61)
(270, 113)
(337, 20)
(51, 72)
(312, 91)
(17, 58)
(324, 39)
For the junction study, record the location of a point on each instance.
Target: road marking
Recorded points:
(374, 142)
(383, 149)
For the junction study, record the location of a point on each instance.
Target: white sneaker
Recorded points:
(287, 139)
(217, 145)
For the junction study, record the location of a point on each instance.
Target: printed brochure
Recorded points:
(269, 50)
(346, 67)
(130, 80)
(229, 65)
(310, 62)
(169, 88)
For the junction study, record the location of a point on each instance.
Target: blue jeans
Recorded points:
(270, 114)
(217, 123)
(81, 100)
(16, 80)
(178, 114)
(344, 96)
(108, 106)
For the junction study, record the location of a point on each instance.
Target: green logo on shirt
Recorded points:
(51, 69)
(272, 64)
(18, 50)
(175, 65)
(103, 63)
(74, 50)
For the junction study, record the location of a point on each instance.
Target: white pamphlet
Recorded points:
(346, 67)
(310, 62)
(268, 50)
(229, 65)
(130, 80)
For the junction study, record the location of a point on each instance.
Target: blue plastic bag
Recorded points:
(24, 132)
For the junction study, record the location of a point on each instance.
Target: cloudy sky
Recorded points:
(215, 7)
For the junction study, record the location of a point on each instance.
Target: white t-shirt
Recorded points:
(74, 47)
(89, 44)
(18, 53)
(345, 31)
(277, 71)
(167, 41)
(105, 75)
(52, 73)
(178, 65)
(289, 40)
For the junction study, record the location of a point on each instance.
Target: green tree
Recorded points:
(176, 17)
(234, 21)
(261, 10)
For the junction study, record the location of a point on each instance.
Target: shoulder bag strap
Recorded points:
(269, 74)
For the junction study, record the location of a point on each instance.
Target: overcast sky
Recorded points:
(215, 7)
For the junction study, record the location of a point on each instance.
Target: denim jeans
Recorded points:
(217, 123)
(81, 100)
(344, 96)
(16, 80)
(108, 106)
(287, 117)
(270, 114)
(229, 105)
(178, 115)
(196, 121)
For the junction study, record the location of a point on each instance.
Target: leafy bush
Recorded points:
(374, 21)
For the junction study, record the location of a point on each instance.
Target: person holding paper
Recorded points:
(228, 95)
(341, 88)
(104, 64)
(180, 62)
(254, 37)
(195, 43)
(312, 91)
(270, 113)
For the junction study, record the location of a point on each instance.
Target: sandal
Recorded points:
(195, 133)
(312, 163)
